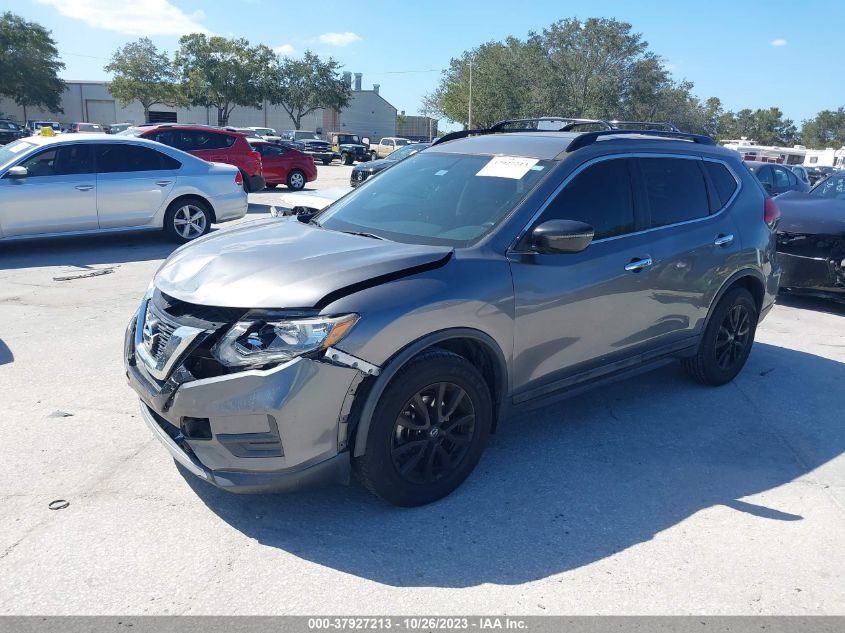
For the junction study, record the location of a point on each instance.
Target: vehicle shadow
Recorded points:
(86, 251)
(808, 302)
(572, 484)
(6, 355)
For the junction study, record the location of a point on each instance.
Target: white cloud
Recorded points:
(284, 49)
(340, 39)
(778, 42)
(133, 17)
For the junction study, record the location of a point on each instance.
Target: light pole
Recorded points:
(469, 125)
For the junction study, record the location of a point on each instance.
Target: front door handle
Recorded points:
(84, 187)
(636, 265)
(724, 240)
(162, 183)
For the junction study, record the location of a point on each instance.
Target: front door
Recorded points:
(58, 194)
(577, 311)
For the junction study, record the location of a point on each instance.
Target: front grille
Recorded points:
(184, 313)
(164, 329)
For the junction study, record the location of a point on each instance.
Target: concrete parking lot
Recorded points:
(652, 496)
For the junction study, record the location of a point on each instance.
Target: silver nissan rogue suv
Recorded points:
(389, 333)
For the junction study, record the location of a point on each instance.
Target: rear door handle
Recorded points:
(724, 240)
(84, 187)
(163, 183)
(636, 265)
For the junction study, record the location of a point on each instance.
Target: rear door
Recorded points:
(58, 195)
(133, 183)
(693, 239)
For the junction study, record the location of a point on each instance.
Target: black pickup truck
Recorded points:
(310, 143)
(11, 131)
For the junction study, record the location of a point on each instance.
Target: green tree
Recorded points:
(764, 126)
(304, 85)
(143, 73)
(826, 129)
(29, 64)
(223, 73)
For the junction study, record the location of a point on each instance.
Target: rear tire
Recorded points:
(247, 186)
(727, 340)
(296, 180)
(271, 185)
(415, 453)
(187, 219)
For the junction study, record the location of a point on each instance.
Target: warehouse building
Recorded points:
(368, 113)
(416, 128)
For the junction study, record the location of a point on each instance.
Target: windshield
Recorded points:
(401, 141)
(131, 131)
(436, 199)
(308, 136)
(348, 138)
(89, 127)
(8, 125)
(833, 187)
(10, 152)
(404, 152)
(39, 124)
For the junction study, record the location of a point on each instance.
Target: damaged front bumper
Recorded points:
(812, 264)
(268, 430)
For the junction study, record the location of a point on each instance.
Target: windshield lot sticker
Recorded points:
(507, 167)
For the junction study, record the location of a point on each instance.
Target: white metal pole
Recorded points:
(470, 94)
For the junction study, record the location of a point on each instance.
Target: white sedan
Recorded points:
(297, 202)
(88, 183)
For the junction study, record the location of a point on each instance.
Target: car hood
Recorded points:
(286, 264)
(803, 213)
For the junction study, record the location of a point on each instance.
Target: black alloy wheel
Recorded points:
(433, 433)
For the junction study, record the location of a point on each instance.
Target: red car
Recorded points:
(285, 165)
(212, 144)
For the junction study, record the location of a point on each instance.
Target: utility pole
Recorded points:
(470, 94)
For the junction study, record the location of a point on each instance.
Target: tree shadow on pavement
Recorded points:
(568, 485)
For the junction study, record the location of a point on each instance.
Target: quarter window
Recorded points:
(601, 196)
(675, 190)
(723, 182)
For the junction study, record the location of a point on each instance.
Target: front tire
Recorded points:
(346, 159)
(373, 156)
(187, 219)
(428, 430)
(296, 180)
(327, 161)
(727, 340)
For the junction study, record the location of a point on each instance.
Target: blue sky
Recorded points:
(749, 53)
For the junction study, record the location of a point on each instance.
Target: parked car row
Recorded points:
(85, 183)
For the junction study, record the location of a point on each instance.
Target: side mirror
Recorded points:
(17, 172)
(561, 236)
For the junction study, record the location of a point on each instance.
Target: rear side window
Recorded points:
(114, 158)
(675, 190)
(196, 140)
(723, 181)
(764, 175)
(601, 196)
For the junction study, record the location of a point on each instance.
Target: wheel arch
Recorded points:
(478, 347)
(748, 278)
(193, 196)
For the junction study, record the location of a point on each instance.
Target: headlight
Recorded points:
(253, 343)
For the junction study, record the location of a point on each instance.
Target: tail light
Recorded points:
(239, 179)
(771, 212)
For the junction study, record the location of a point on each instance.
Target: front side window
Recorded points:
(781, 178)
(601, 196)
(675, 190)
(197, 141)
(436, 198)
(120, 157)
(764, 175)
(60, 161)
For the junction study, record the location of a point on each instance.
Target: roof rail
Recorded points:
(645, 125)
(588, 138)
(501, 127)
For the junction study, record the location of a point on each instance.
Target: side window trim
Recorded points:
(637, 192)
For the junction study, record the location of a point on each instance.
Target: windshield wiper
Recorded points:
(364, 234)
